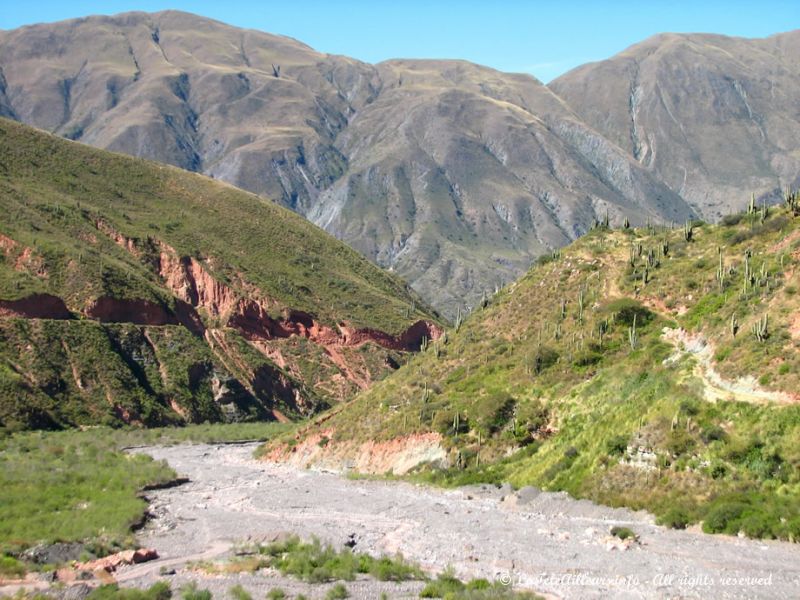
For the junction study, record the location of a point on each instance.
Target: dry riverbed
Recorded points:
(546, 542)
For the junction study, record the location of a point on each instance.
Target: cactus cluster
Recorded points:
(688, 231)
(760, 329)
(792, 201)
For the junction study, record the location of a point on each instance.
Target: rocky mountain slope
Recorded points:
(648, 367)
(709, 115)
(453, 175)
(140, 293)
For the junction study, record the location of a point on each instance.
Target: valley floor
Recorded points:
(546, 542)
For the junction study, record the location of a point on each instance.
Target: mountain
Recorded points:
(453, 175)
(648, 367)
(711, 116)
(135, 292)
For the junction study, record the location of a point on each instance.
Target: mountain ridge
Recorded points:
(127, 295)
(485, 172)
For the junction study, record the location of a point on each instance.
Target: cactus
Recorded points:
(646, 275)
(792, 200)
(580, 307)
(633, 337)
(276, 71)
(626, 224)
(426, 394)
(563, 308)
(688, 231)
(760, 329)
(423, 345)
(632, 259)
(734, 325)
(484, 300)
(751, 208)
(720, 270)
(665, 248)
(459, 319)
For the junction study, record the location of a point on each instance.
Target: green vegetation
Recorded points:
(447, 586)
(566, 380)
(79, 485)
(623, 533)
(337, 592)
(317, 563)
(157, 591)
(82, 224)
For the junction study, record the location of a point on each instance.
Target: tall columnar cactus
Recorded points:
(580, 307)
(792, 200)
(459, 319)
(720, 270)
(688, 231)
(563, 308)
(632, 258)
(633, 337)
(760, 328)
(734, 325)
(626, 224)
(751, 208)
(665, 248)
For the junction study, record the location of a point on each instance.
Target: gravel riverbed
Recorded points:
(547, 542)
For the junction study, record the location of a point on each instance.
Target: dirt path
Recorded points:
(716, 388)
(542, 541)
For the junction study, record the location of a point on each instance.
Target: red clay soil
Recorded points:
(35, 306)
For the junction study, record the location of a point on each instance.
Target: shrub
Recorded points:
(237, 592)
(11, 567)
(190, 592)
(276, 594)
(157, 591)
(625, 309)
(724, 517)
(675, 518)
(337, 592)
(623, 533)
(617, 445)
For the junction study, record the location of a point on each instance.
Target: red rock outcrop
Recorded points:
(398, 456)
(112, 562)
(139, 312)
(35, 306)
(128, 243)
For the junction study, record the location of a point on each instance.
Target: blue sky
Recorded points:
(541, 38)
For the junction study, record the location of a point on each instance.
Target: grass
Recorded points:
(158, 591)
(54, 195)
(79, 485)
(317, 563)
(447, 586)
(549, 390)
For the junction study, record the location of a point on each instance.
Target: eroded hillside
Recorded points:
(136, 292)
(648, 367)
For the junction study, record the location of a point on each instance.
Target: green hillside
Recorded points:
(654, 368)
(137, 292)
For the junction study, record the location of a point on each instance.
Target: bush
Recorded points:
(12, 568)
(625, 309)
(617, 445)
(190, 592)
(623, 533)
(157, 591)
(237, 592)
(675, 518)
(724, 517)
(337, 592)
(276, 594)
